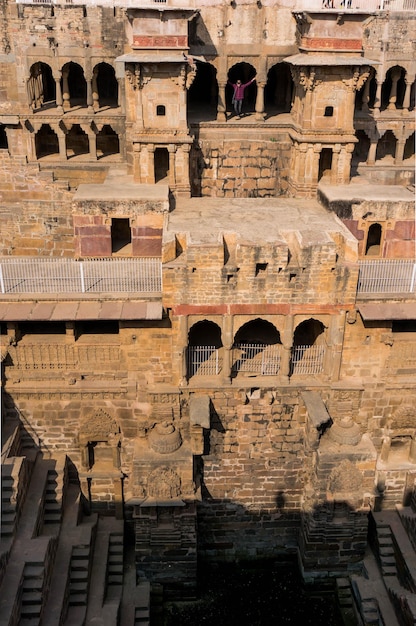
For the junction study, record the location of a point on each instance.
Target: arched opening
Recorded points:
(107, 85)
(76, 142)
(373, 245)
(203, 93)
(409, 148)
(76, 83)
(107, 142)
(325, 162)
(204, 349)
(4, 144)
(41, 85)
(361, 148)
(120, 234)
(46, 142)
(389, 99)
(161, 164)
(278, 91)
(386, 146)
(244, 72)
(257, 349)
(308, 348)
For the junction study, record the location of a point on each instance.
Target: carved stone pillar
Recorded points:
(398, 157)
(365, 99)
(412, 453)
(61, 144)
(58, 91)
(260, 101)
(65, 90)
(183, 342)
(92, 142)
(221, 107)
(287, 341)
(172, 165)
(371, 159)
(406, 99)
(395, 75)
(95, 95)
(377, 99)
(227, 341)
(89, 93)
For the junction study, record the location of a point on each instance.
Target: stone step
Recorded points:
(81, 587)
(32, 584)
(31, 610)
(79, 564)
(33, 570)
(388, 570)
(78, 576)
(115, 579)
(80, 553)
(32, 597)
(29, 621)
(388, 561)
(52, 518)
(78, 599)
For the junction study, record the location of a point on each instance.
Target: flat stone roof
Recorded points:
(121, 191)
(256, 220)
(80, 310)
(367, 191)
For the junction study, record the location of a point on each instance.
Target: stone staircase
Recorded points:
(31, 601)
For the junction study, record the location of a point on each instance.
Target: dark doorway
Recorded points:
(373, 246)
(161, 164)
(120, 233)
(325, 162)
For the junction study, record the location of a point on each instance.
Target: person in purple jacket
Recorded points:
(238, 95)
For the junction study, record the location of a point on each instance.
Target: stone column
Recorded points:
(260, 115)
(227, 342)
(395, 75)
(61, 143)
(336, 175)
(287, 341)
(92, 141)
(221, 107)
(377, 99)
(365, 99)
(398, 157)
(406, 99)
(58, 91)
(371, 159)
(183, 342)
(89, 93)
(95, 95)
(65, 90)
(172, 165)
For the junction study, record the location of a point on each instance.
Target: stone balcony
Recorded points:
(356, 6)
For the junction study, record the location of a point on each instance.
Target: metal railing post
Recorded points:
(81, 270)
(1, 280)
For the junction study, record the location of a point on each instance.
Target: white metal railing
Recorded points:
(257, 358)
(357, 5)
(202, 361)
(308, 359)
(51, 275)
(387, 276)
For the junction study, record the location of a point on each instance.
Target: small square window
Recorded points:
(160, 109)
(329, 111)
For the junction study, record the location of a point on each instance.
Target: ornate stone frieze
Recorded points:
(345, 479)
(163, 483)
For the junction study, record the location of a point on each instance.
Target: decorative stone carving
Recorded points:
(345, 432)
(403, 418)
(345, 478)
(163, 483)
(164, 438)
(99, 426)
